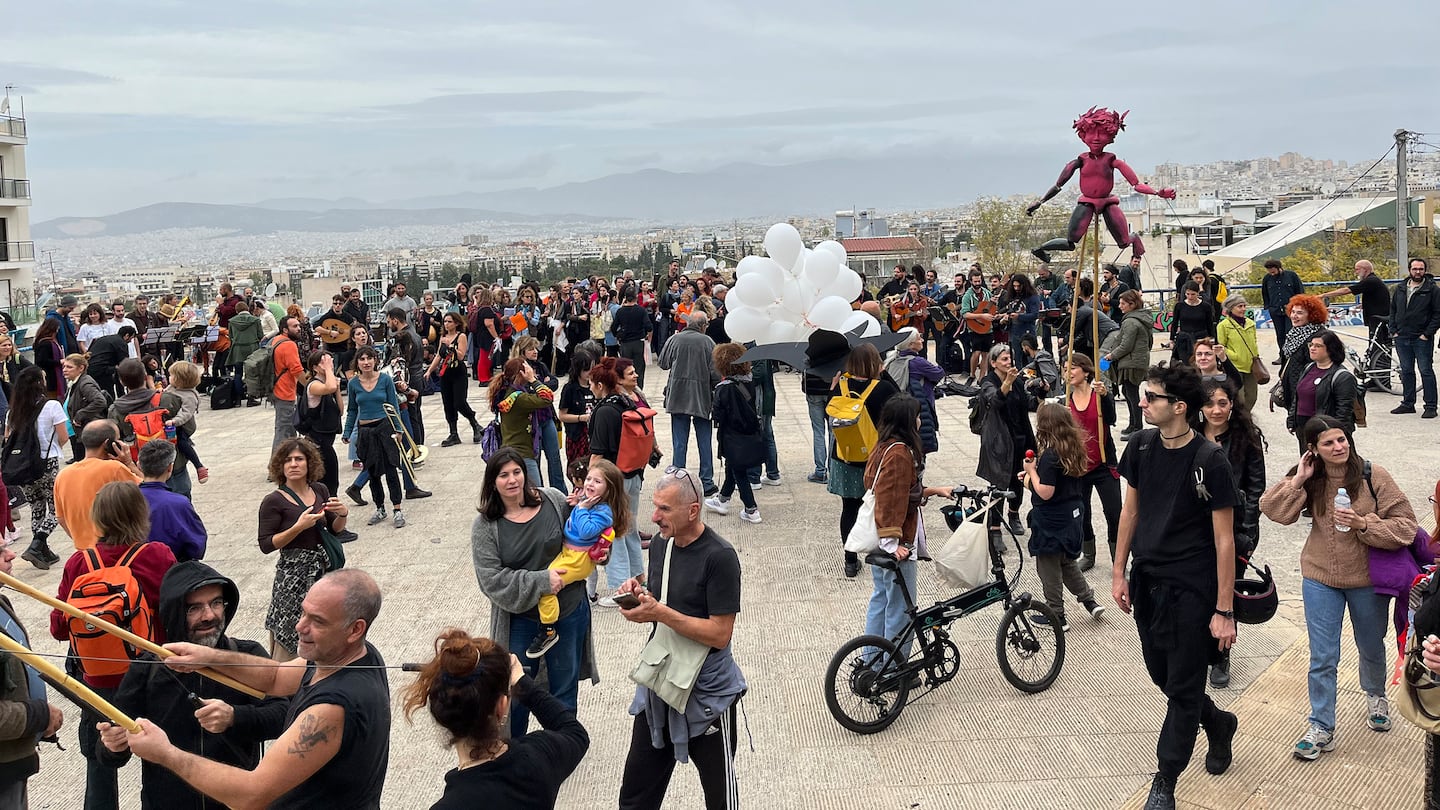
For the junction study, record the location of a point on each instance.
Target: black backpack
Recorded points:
(22, 463)
(222, 396)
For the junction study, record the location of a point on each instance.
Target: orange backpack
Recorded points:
(148, 426)
(637, 439)
(113, 594)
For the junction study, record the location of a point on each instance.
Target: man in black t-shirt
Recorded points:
(699, 604)
(631, 326)
(1374, 299)
(336, 345)
(106, 354)
(336, 746)
(1177, 523)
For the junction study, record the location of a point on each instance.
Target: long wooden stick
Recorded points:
(129, 637)
(78, 689)
(1095, 334)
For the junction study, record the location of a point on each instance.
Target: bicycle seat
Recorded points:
(880, 559)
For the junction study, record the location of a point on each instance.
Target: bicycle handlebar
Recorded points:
(961, 491)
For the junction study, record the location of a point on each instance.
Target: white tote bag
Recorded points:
(864, 536)
(964, 561)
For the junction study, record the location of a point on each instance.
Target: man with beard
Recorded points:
(199, 715)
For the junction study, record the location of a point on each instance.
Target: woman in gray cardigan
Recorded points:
(518, 532)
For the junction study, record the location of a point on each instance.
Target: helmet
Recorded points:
(1255, 599)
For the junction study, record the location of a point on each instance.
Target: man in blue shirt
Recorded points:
(173, 520)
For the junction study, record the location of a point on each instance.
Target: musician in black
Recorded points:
(896, 285)
(358, 310)
(327, 328)
(404, 343)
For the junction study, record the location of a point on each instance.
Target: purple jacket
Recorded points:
(1392, 571)
(173, 521)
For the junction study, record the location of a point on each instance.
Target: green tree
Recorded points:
(1003, 236)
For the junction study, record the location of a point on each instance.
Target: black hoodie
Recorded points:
(153, 691)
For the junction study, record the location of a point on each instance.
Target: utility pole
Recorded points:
(50, 259)
(1402, 203)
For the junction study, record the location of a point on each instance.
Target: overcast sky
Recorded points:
(144, 101)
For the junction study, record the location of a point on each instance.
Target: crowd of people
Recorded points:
(561, 498)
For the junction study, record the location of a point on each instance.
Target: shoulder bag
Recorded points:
(864, 536)
(670, 663)
(334, 551)
(1257, 365)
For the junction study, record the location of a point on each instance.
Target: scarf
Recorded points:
(1298, 337)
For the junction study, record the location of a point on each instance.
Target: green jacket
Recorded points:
(1133, 350)
(244, 336)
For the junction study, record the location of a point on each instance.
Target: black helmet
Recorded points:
(1255, 599)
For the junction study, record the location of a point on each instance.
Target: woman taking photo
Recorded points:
(467, 688)
(1308, 315)
(520, 529)
(576, 403)
(1335, 565)
(449, 367)
(1093, 408)
(1226, 421)
(1236, 334)
(288, 520)
(528, 349)
(1210, 359)
(367, 423)
(1130, 358)
(611, 401)
(1324, 388)
(896, 474)
(84, 402)
(49, 356)
(1023, 305)
(1005, 435)
(321, 421)
(847, 479)
(1194, 318)
(31, 409)
(518, 396)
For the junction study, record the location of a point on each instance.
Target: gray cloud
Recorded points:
(488, 104)
(29, 78)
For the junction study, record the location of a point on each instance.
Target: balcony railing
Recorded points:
(17, 251)
(12, 126)
(15, 189)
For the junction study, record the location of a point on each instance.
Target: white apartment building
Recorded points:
(17, 252)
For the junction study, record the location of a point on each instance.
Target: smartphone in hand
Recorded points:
(629, 601)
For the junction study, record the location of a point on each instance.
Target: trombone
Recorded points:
(412, 453)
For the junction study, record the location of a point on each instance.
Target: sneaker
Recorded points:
(751, 515)
(377, 518)
(606, 602)
(1221, 735)
(1162, 794)
(852, 568)
(354, 493)
(1220, 673)
(818, 477)
(1379, 712)
(450, 441)
(1044, 621)
(416, 494)
(542, 642)
(356, 466)
(399, 519)
(718, 505)
(1015, 525)
(1428, 413)
(202, 473)
(1402, 408)
(1095, 609)
(347, 536)
(771, 482)
(1315, 742)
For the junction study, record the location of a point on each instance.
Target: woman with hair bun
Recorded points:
(467, 687)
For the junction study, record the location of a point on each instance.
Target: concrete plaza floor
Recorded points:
(974, 743)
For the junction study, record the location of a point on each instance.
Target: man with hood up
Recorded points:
(198, 714)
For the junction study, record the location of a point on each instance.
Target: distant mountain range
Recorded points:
(650, 196)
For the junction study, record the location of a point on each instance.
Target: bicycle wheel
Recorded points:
(858, 692)
(1030, 654)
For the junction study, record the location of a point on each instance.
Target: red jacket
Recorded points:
(149, 567)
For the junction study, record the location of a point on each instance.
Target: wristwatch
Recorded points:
(1229, 614)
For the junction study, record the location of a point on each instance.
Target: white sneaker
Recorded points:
(607, 602)
(750, 515)
(771, 482)
(1379, 712)
(718, 505)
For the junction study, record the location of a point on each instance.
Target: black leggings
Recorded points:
(738, 478)
(1103, 479)
(849, 513)
(1131, 393)
(379, 465)
(325, 442)
(454, 385)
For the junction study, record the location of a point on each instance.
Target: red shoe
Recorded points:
(203, 473)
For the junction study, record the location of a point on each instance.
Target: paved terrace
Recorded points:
(975, 743)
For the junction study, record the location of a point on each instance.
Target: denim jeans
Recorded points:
(562, 662)
(626, 558)
(1324, 611)
(885, 615)
(772, 456)
(1411, 351)
(554, 460)
(532, 470)
(680, 441)
(819, 431)
(285, 421)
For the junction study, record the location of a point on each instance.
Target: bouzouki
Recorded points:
(333, 330)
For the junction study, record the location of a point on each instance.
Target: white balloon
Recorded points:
(857, 318)
(775, 312)
(821, 268)
(777, 332)
(797, 298)
(751, 264)
(783, 243)
(744, 324)
(798, 269)
(753, 291)
(872, 329)
(846, 285)
(829, 313)
(835, 249)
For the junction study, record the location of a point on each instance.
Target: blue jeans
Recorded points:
(680, 442)
(1411, 352)
(1324, 611)
(562, 662)
(885, 615)
(550, 446)
(772, 457)
(626, 558)
(819, 430)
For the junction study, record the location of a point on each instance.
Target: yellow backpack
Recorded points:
(855, 434)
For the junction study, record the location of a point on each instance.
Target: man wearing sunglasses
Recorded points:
(1177, 523)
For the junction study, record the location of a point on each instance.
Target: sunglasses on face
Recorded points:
(1151, 396)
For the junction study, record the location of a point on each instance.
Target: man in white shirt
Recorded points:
(118, 319)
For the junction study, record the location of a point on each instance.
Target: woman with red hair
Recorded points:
(1308, 315)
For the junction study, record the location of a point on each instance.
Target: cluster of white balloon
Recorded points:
(794, 291)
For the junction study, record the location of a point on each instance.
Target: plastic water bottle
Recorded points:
(1342, 501)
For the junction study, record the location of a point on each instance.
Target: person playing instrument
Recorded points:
(427, 319)
(333, 328)
(977, 336)
(896, 285)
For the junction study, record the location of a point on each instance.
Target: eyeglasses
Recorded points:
(682, 474)
(1151, 396)
(214, 606)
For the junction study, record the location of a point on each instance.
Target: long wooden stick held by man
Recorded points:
(129, 637)
(74, 687)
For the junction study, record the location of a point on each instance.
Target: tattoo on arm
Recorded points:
(313, 734)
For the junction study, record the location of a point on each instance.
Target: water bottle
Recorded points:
(1342, 501)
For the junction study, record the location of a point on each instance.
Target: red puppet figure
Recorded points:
(1097, 128)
